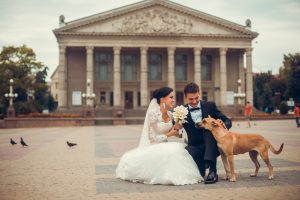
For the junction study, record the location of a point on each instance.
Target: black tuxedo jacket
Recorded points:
(201, 143)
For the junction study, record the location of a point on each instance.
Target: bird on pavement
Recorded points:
(12, 142)
(71, 144)
(23, 143)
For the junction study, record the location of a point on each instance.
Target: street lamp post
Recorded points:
(89, 97)
(11, 96)
(239, 95)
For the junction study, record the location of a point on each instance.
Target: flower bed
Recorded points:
(271, 115)
(50, 115)
(268, 116)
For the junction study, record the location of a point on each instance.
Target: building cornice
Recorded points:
(157, 35)
(151, 3)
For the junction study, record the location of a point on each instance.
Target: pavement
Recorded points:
(49, 169)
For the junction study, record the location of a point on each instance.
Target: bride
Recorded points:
(155, 160)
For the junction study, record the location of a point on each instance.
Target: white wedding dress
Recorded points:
(156, 161)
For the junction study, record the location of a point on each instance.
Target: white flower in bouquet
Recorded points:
(180, 113)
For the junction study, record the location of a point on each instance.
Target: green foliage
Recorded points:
(51, 103)
(290, 73)
(284, 108)
(20, 64)
(263, 90)
(24, 107)
(270, 90)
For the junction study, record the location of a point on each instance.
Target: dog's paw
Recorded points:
(271, 177)
(225, 178)
(232, 179)
(253, 175)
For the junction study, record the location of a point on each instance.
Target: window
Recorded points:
(103, 65)
(179, 98)
(102, 98)
(111, 99)
(154, 66)
(139, 98)
(128, 67)
(204, 96)
(181, 67)
(206, 67)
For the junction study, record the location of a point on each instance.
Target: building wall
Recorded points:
(76, 75)
(76, 72)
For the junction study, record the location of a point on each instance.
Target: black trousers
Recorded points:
(211, 151)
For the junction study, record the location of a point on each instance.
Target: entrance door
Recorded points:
(128, 99)
(179, 98)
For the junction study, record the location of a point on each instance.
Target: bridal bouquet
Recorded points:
(180, 113)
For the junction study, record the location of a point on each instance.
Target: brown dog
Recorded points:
(230, 144)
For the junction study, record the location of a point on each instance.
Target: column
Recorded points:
(217, 94)
(117, 77)
(241, 70)
(171, 68)
(90, 73)
(144, 77)
(135, 98)
(62, 78)
(197, 66)
(249, 76)
(223, 76)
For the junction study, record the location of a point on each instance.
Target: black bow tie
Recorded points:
(193, 109)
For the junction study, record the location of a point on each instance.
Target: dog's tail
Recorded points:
(276, 151)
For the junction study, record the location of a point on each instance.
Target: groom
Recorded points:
(201, 144)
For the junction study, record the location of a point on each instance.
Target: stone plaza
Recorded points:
(49, 169)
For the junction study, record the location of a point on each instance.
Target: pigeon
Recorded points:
(23, 143)
(12, 142)
(71, 144)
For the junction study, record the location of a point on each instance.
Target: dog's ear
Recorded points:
(215, 123)
(209, 116)
(204, 121)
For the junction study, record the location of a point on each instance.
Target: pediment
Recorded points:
(155, 17)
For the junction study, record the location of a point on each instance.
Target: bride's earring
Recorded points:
(164, 105)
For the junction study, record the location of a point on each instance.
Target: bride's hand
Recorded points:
(177, 126)
(172, 132)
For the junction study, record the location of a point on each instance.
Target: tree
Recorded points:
(290, 73)
(20, 64)
(262, 92)
(278, 87)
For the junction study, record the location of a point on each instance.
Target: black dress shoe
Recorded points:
(211, 178)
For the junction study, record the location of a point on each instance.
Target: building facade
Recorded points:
(124, 54)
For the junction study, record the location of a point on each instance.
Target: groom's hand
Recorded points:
(222, 123)
(199, 124)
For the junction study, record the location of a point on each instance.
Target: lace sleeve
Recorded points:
(152, 131)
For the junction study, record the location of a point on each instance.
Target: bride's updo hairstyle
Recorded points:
(161, 93)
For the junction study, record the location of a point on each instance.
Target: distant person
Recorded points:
(96, 107)
(297, 114)
(248, 113)
(266, 110)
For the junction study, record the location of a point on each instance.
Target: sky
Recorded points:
(31, 22)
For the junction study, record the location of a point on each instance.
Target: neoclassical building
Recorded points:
(124, 54)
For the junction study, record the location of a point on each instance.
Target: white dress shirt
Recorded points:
(196, 114)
